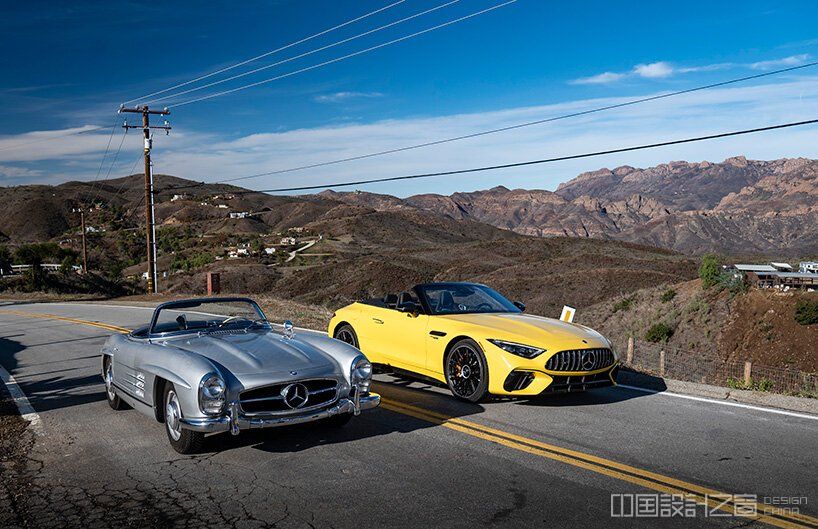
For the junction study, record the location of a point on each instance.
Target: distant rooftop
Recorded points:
(755, 268)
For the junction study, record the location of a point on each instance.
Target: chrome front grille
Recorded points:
(580, 360)
(270, 399)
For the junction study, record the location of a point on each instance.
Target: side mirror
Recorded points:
(409, 307)
(520, 305)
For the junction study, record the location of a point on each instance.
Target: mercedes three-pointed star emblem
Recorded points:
(295, 395)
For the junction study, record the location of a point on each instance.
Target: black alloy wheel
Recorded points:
(466, 371)
(346, 334)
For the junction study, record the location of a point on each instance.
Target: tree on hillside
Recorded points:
(709, 271)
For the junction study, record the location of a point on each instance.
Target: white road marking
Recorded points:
(26, 410)
(722, 402)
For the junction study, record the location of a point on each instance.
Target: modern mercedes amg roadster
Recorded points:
(216, 364)
(476, 341)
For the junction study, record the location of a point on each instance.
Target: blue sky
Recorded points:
(69, 66)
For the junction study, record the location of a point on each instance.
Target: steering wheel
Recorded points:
(481, 305)
(232, 318)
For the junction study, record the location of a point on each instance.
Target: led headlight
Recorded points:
(526, 351)
(361, 375)
(212, 394)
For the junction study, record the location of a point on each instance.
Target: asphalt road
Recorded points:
(421, 460)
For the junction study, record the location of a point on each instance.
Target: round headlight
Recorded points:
(361, 370)
(212, 394)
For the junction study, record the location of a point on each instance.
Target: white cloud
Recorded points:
(792, 60)
(654, 70)
(699, 113)
(344, 96)
(664, 69)
(603, 78)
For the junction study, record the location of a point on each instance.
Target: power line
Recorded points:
(344, 57)
(266, 54)
(533, 162)
(512, 127)
(110, 167)
(305, 54)
(17, 145)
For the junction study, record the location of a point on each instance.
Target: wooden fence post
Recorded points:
(748, 373)
(662, 363)
(213, 284)
(629, 357)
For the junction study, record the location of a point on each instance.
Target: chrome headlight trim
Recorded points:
(212, 394)
(518, 349)
(361, 373)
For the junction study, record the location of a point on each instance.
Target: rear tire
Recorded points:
(110, 392)
(181, 439)
(466, 371)
(347, 334)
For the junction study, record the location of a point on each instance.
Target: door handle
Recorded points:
(377, 320)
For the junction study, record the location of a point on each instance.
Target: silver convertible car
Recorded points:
(216, 364)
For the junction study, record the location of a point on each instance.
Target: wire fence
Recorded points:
(709, 368)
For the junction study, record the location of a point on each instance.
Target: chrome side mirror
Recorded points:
(288, 329)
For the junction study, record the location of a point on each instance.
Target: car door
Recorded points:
(395, 338)
(126, 376)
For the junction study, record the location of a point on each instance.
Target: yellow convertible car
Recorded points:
(476, 341)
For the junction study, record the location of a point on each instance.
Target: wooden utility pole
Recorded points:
(84, 246)
(150, 229)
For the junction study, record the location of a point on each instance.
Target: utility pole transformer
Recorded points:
(150, 229)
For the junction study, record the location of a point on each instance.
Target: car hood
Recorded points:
(255, 352)
(533, 330)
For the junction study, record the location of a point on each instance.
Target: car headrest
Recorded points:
(390, 300)
(446, 300)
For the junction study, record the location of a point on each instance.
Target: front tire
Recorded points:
(466, 371)
(182, 440)
(110, 393)
(347, 334)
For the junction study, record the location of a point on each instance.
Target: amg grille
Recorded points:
(580, 360)
(269, 399)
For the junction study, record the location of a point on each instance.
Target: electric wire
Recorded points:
(531, 162)
(344, 57)
(512, 127)
(305, 54)
(266, 54)
(110, 167)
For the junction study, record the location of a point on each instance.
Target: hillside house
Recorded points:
(183, 196)
(270, 250)
(236, 253)
(288, 241)
(777, 275)
(808, 267)
(239, 214)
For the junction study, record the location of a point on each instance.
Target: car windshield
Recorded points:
(208, 315)
(459, 298)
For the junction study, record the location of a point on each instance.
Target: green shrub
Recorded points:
(668, 295)
(659, 332)
(806, 312)
(709, 271)
(624, 304)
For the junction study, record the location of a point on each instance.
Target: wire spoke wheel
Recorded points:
(465, 372)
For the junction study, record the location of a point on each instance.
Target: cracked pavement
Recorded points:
(95, 467)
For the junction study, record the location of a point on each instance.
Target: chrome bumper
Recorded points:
(234, 421)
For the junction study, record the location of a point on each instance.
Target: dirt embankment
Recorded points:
(758, 326)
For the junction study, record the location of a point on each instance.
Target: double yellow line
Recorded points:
(702, 495)
(713, 499)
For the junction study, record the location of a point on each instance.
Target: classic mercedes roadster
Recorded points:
(476, 341)
(216, 364)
